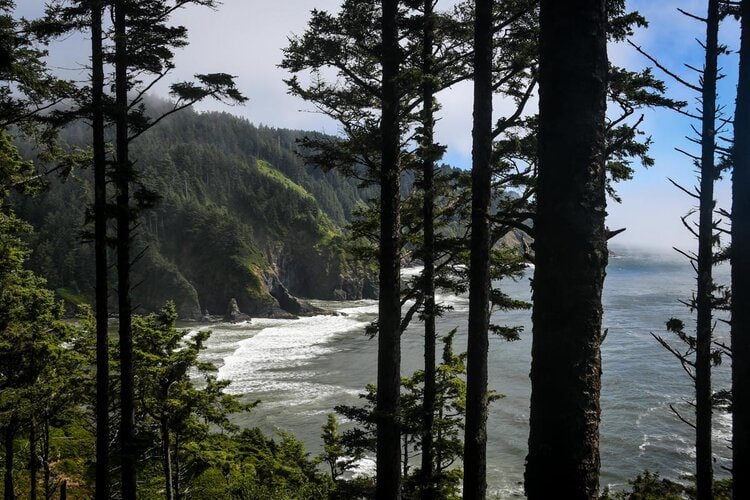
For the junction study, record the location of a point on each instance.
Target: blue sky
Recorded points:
(651, 204)
(245, 38)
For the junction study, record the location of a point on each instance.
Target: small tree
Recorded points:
(171, 406)
(334, 452)
(448, 420)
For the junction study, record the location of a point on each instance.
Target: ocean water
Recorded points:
(300, 369)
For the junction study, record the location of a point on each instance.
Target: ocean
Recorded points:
(300, 369)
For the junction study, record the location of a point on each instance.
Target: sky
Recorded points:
(246, 37)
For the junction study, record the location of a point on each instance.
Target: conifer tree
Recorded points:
(705, 260)
(429, 316)
(101, 304)
(122, 177)
(570, 252)
(172, 408)
(143, 43)
(699, 353)
(31, 338)
(32, 332)
(450, 406)
(388, 456)
(740, 262)
(375, 143)
(29, 315)
(334, 453)
(28, 89)
(61, 18)
(475, 440)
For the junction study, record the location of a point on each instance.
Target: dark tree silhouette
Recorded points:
(571, 252)
(144, 44)
(475, 439)
(699, 354)
(708, 173)
(740, 260)
(123, 177)
(389, 306)
(428, 248)
(101, 306)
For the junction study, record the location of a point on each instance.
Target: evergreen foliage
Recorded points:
(449, 411)
(221, 180)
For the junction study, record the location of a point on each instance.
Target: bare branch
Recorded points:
(665, 69)
(684, 420)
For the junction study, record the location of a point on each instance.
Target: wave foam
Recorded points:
(273, 360)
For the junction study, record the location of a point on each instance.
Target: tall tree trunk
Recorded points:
(33, 460)
(45, 458)
(100, 253)
(439, 435)
(388, 459)
(123, 177)
(9, 487)
(571, 252)
(166, 459)
(176, 467)
(740, 260)
(703, 458)
(428, 251)
(405, 455)
(475, 442)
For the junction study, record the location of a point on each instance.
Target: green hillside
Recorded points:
(239, 213)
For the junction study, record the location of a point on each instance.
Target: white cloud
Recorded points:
(245, 38)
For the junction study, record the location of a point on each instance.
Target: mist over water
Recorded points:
(301, 369)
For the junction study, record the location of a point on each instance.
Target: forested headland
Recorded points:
(256, 217)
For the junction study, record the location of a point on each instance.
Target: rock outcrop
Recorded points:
(293, 305)
(355, 288)
(234, 314)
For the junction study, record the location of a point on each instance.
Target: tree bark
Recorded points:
(428, 251)
(33, 463)
(122, 179)
(405, 455)
(439, 435)
(571, 253)
(740, 260)
(100, 253)
(8, 486)
(176, 467)
(166, 460)
(703, 458)
(475, 441)
(388, 456)
(45, 459)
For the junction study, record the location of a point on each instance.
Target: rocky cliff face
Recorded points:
(203, 259)
(324, 275)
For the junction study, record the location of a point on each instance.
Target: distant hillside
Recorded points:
(240, 213)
